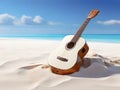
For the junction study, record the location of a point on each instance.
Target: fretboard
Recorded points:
(80, 30)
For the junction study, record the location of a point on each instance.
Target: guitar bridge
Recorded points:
(62, 59)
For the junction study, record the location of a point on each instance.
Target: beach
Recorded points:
(24, 66)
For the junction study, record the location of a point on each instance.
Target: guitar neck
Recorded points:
(79, 32)
(92, 14)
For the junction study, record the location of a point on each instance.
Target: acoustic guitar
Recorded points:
(68, 57)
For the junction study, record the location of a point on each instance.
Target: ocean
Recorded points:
(112, 38)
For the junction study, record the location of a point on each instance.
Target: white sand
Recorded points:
(18, 55)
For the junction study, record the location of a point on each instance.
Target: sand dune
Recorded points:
(24, 66)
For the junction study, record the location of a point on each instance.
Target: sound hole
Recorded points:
(70, 45)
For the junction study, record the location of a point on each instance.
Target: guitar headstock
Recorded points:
(93, 13)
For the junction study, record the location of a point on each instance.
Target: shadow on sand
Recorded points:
(98, 66)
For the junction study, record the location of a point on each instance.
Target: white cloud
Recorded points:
(109, 22)
(26, 19)
(37, 19)
(6, 19)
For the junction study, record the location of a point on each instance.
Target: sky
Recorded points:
(32, 17)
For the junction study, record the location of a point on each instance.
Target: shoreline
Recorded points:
(110, 38)
(58, 39)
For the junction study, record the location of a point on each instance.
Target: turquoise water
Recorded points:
(89, 37)
(103, 37)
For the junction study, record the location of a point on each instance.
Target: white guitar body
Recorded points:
(70, 55)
